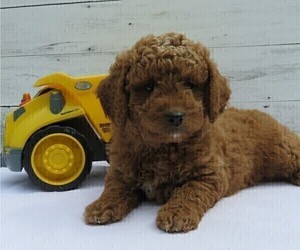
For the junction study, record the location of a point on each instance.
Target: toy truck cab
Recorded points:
(56, 135)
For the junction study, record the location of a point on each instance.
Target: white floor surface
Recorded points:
(262, 217)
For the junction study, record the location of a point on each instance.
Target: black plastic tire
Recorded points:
(60, 131)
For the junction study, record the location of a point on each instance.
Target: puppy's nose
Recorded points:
(175, 118)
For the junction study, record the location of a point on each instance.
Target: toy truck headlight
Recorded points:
(18, 112)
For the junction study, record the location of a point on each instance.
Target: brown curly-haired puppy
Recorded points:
(172, 140)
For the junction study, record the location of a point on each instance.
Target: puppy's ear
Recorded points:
(112, 94)
(218, 91)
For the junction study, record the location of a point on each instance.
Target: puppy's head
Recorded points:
(166, 87)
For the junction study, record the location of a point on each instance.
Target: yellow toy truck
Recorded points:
(56, 135)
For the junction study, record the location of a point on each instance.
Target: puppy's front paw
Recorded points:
(176, 219)
(99, 213)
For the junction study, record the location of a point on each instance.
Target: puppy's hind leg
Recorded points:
(288, 159)
(295, 177)
(284, 159)
(294, 153)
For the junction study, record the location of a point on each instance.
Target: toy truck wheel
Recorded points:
(57, 158)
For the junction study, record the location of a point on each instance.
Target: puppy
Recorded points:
(173, 142)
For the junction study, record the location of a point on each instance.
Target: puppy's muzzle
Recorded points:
(175, 119)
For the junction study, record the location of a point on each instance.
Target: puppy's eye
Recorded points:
(149, 86)
(189, 85)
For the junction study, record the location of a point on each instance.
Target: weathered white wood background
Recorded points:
(255, 43)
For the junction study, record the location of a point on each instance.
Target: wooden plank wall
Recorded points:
(255, 43)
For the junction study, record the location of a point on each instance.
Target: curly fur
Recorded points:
(187, 168)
